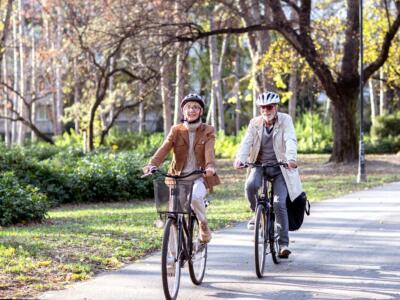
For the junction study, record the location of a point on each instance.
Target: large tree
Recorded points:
(340, 81)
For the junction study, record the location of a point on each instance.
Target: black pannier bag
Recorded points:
(296, 210)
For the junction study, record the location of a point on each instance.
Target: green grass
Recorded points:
(77, 242)
(330, 187)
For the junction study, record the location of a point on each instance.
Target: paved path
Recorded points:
(349, 248)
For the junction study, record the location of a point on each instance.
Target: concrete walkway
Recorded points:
(348, 248)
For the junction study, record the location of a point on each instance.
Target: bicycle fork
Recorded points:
(182, 253)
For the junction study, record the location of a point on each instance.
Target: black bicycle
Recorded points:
(266, 233)
(181, 241)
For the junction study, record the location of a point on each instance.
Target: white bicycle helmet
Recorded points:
(192, 97)
(267, 98)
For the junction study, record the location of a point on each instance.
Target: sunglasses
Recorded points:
(267, 107)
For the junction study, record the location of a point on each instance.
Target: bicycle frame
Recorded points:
(184, 236)
(266, 199)
(184, 227)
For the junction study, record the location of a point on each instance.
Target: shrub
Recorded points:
(313, 134)
(143, 143)
(385, 134)
(69, 139)
(108, 177)
(18, 203)
(69, 176)
(226, 146)
(40, 150)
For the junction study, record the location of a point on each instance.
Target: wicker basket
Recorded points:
(167, 203)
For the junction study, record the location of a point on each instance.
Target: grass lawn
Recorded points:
(76, 242)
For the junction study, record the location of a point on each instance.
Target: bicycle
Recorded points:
(180, 239)
(265, 228)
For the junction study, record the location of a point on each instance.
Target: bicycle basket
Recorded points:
(173, 198)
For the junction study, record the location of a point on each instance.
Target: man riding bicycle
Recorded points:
(193, 147)
(270, 138)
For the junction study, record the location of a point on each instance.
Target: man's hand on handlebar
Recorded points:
(291, 164)
(238, 164)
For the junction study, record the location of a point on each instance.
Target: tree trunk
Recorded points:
(214, 75)
(166, 101)
(141, 118)
(237, 88)
(7, 123)
(345, 147)
(33, 82)
(77, 94)
(15, 100)
(293, 87)
(59, 104)
(101, 89)
(110, 94)
(179, 84)
(220, 97)
(22, 107)
(372, 100)
(382, 93)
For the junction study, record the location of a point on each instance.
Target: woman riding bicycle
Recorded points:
(271, 138)
(193, 147)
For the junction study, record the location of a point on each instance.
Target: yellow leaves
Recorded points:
(248, 98)
(280, 84)
(232, 100)
(285, 96)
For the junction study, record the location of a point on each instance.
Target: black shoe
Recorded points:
(284, 252)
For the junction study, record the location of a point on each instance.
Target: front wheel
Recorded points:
(170, 263)
(198, 256)
(260, 241)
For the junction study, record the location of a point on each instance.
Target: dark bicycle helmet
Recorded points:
(192, 97)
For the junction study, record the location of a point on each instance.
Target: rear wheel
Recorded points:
(260, 242)
(170, 263)
(274, 240)
(198, 259)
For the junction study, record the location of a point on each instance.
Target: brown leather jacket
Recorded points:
(178, 141)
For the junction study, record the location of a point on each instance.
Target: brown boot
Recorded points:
(205, 233)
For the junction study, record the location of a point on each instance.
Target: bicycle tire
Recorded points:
(274, 240)
(260, 241)
(198, 257)
(170, 255)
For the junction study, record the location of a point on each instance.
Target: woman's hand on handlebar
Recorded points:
(209, 172)
(148, 170)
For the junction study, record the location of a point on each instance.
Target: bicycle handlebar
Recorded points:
(156, 170)
(248, 164)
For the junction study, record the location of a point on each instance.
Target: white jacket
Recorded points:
(285, 147)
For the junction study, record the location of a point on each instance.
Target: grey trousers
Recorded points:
(253, 184)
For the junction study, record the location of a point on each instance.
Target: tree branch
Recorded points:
(105, 131)
(387, 41)
(351, 45)
(293, 5)
(304, 17)
(5, 28)
(200, 34)
(27, 123)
